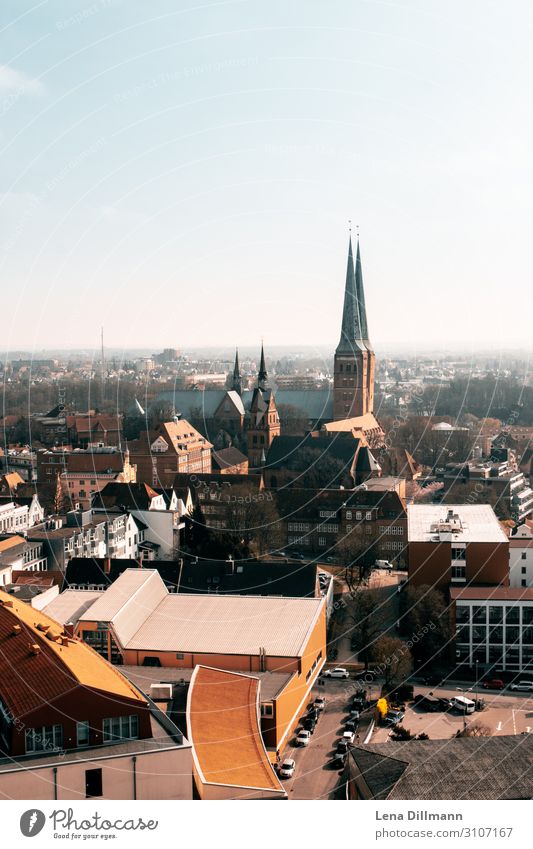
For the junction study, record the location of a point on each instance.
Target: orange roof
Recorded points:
(11, 542)
(13, 479)
(223, 725)
(28, 678)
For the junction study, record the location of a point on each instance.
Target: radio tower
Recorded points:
(102, 364)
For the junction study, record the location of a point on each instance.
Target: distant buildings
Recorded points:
(84, 472)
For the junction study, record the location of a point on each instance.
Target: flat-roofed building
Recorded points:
(454, 545)
(138, 622)
(493, 628)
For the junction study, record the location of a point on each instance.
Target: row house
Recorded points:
(17, 515)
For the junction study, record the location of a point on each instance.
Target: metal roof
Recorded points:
(226, 625)
(68, 606)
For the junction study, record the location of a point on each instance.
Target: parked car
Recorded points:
(303, 738)
(493, 684)
(521, 685)
(351, 725)
(342, 747)
(445, 704)
(349, 736)
(366, 675)
(429, 703)
(338, 761)
(383, 564)
(313, 714)
(309, 724)
(338, 672)
(393, 717)
(354, 716)
(319, 703)
(286, 768)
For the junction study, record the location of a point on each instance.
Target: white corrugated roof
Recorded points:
(478, 522)
(129, 601)
(227, 625)
(69, 605)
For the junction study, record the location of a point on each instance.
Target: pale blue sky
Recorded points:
(183, 171)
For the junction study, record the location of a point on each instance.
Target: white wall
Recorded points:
(160, 775)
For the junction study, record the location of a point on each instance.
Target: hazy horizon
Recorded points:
(185, 173)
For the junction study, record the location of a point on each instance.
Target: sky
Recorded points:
(183, 172)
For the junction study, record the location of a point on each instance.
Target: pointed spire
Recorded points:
(351, 336)
(236, 384)
(262, 378)
(361, 298)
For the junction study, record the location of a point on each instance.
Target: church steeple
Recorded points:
(360, 293)
(351, 330)
(262, 377)
(354, 366)
(236, 383)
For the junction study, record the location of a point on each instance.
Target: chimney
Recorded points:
(69, 629)
(16, 630)
(35, 648)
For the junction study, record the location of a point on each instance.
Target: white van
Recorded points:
(383, 564)
(464, 705)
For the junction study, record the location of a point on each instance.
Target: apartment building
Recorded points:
(85, 472)
(175, 447)
(455, 545)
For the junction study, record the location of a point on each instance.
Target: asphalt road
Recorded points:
(313, 777)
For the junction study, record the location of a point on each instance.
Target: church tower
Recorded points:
(236, 380)
(263, 421)
(354, 368)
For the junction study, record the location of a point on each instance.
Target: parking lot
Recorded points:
(505, 713)
(313, 776)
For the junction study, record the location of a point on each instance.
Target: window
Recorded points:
(121, 728)
(267, 709)
(93, 783)
(43, 739)
(358, 514)
(82, 732)
(180, 655)
(368, 515)
(458, 573)
(523, 555)
(348, 514)
(322, 541)
(524, 582)
(524, 570)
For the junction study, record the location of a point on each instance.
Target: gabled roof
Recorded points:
(30, 678)
(461, 768)
(132, 496)
(224, 458)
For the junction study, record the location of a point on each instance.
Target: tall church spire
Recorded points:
(351, 332)
(236, 383)
(262, 378)
(361, 299)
